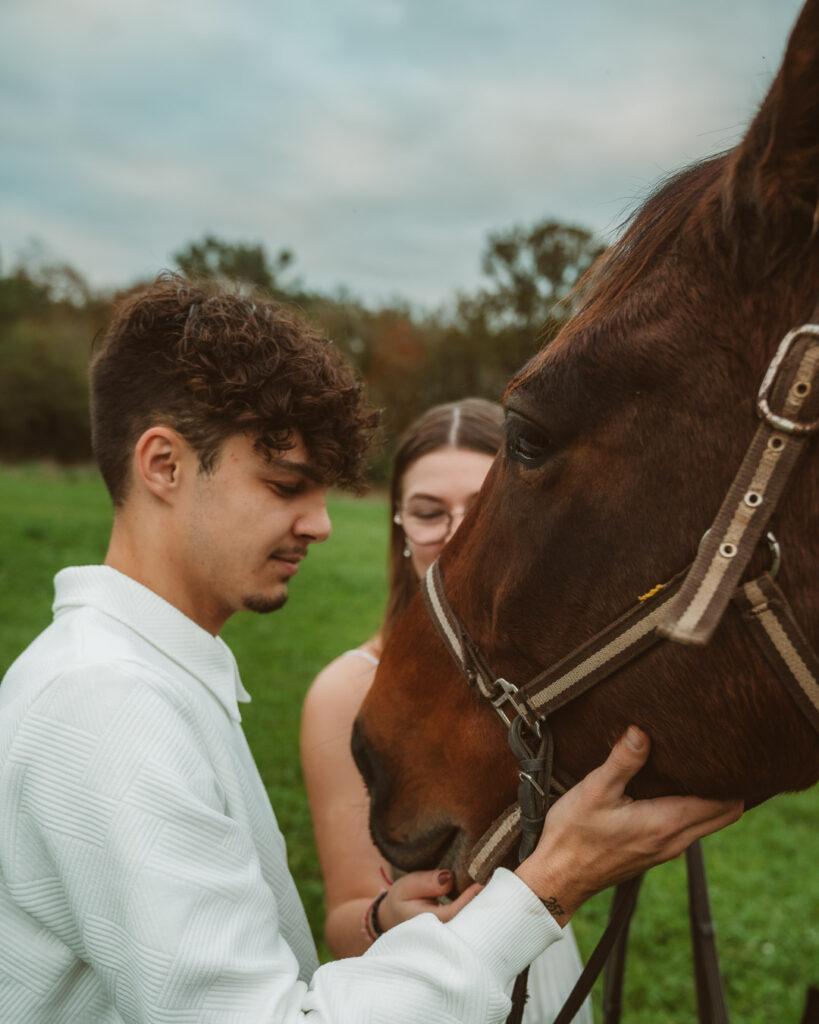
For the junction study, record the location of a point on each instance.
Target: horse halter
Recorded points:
(686, 609)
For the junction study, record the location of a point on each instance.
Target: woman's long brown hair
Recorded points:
(473, 424)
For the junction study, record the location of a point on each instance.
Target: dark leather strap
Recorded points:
(711, 1005)
(519, 997)
(622, 909)
(811, 1014)
(614, 977)
(535, 774)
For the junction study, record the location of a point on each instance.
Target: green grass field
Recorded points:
(763, 871)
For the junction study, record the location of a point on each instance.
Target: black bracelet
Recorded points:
(377, 929)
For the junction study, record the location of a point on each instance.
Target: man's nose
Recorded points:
(314, 521)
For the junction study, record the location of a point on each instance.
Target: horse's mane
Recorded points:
(717, 210)
(676, 206)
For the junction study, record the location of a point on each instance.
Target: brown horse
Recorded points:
(623, 436)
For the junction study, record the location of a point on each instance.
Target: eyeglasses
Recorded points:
(425, 525)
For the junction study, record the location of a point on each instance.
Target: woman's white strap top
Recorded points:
(357, 651)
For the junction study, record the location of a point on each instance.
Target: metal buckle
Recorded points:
(782, 423)
(509, 692)
(526, 777)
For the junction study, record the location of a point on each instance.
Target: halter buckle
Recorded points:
(511, 693)
(784, 423)
(527, 777)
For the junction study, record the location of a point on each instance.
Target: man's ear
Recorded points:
(161, 458)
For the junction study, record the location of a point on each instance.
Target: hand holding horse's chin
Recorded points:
(455, 860)
(596, 836)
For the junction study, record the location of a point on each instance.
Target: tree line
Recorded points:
(50, 317)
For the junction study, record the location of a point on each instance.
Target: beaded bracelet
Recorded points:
(369, 923)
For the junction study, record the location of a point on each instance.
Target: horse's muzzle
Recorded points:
(411, 844)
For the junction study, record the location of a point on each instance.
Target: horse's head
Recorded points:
(622, 438)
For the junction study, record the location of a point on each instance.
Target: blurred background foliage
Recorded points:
(409, 359)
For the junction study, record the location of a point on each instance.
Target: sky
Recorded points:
(380, 141)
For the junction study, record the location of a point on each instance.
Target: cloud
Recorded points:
(379, 139)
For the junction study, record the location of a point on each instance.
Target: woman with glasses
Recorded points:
(438, 469)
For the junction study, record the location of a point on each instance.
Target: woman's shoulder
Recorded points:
(370, 651)
(347, 677)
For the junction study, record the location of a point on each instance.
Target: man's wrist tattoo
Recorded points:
(552, 904)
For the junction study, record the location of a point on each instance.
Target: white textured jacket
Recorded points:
(143, 876)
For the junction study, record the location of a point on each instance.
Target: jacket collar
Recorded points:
(203, 656)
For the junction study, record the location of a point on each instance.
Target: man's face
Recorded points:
(244, 528)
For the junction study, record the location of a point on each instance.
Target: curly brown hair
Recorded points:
(211, 361)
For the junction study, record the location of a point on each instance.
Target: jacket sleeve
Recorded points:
(424, 971)
(126, 857)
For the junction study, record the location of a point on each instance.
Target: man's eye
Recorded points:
(283, 489)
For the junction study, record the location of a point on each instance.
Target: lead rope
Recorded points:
(535, 774)
(711, 1006)
(622, 910)
(519, 997)
(610, 953)
(535, 771)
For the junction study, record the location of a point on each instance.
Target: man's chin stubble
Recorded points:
(264, 605)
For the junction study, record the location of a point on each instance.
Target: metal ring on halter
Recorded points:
(782, 422)
(776, 554)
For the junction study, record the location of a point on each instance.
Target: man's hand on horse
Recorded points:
(596, 836)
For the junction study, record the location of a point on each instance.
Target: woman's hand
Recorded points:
(418, 893)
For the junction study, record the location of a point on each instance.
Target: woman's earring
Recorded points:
(406, 551)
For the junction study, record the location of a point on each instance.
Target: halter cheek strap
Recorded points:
(788, 403)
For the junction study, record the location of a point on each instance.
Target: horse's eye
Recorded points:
(526, 444)
(525, 451)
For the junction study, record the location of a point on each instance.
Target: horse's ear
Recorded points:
(776, 167)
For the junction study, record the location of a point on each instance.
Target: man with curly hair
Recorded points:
(143, 877)
(251, 407)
